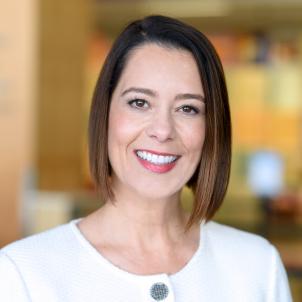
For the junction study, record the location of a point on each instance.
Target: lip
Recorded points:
(162, 168)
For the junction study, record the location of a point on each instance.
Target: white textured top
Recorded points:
(61, 265)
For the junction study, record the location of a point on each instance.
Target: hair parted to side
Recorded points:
(210, 180)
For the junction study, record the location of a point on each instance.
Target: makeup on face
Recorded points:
(156, 122)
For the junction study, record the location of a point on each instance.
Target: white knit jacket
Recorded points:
(61, 265)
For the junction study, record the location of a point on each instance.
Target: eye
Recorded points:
(189, 109)
(138, 103)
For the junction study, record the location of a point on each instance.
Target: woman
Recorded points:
(159, 120)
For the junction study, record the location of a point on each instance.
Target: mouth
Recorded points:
(156, 161)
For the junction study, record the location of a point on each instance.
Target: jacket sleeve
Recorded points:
(12, 286)
(279, 290)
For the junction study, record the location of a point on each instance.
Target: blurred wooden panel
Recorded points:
(61, 125)
(17, 109)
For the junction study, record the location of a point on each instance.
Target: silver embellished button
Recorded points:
(159, 291)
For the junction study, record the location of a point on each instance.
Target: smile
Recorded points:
(156, 162)
(156, 158)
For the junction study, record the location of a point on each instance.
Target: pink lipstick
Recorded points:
(157, 162)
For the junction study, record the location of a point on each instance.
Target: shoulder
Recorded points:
(242, 248)
(41, 240)
(228, 236)
(23, 260)
(252, 260)
(42, 247)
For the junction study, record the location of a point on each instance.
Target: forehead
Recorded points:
(154, 64)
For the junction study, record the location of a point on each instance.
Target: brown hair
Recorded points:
(210, 180)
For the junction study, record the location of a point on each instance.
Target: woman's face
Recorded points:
(156, 122)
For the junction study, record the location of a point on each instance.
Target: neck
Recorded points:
(142, 221)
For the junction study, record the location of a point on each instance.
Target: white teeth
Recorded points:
(147, 156)
(156, 159)
(161, 159)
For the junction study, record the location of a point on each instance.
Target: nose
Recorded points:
(161, 126)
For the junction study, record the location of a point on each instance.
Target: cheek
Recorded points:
(122, 130)
(117, 132)
(193, 137)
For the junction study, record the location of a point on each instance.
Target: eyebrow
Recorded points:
(188, 96)
(149, 92)
(140, 90)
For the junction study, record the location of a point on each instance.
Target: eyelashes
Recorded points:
(142, 104)
(189, 109)
(138, 103)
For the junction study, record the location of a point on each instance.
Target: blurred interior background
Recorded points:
(51, 52)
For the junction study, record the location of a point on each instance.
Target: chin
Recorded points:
(157, 193)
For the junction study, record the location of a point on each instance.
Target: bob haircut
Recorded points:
(210, 180)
